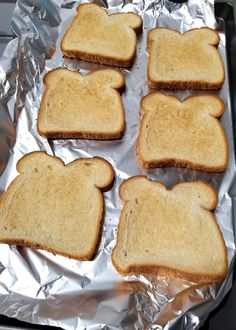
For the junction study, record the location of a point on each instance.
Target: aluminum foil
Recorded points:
(40, 287)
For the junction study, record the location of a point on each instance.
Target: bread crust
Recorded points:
(72, 134)
(83, 136)
(178, 163)
(172, 162)
(171, 273)
(181, 84)
(161, 270)
(94, 58)
(98, 58)
(33, 243)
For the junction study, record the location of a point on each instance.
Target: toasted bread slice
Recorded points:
(56, 207)
(184, 61)
(77, 106)
(95, 36)
(170, 232)
(182, 134)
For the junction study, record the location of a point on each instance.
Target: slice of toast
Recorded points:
(184, 61)
(77, 106)
(170, 232)
(182, 134)
(95, 36)
(56, 207)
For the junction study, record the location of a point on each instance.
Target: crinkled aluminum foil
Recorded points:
(39, 287)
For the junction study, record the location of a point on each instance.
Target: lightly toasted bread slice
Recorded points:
(82, 106)
(56, 207)
(170, 232)
(184, 61)
(182, 134)
(95, 36)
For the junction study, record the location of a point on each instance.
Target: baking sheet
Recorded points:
(39, 287)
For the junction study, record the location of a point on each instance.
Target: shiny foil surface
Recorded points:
(40, 287)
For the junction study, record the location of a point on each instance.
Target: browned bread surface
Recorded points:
(98, 37)
(56, 207)
(182, 134)
(184, 61)
(170, 232)
(77, 106)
